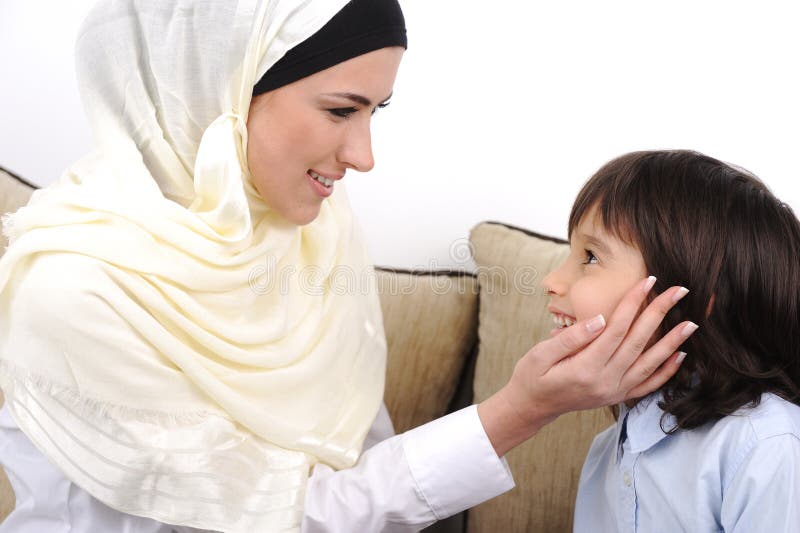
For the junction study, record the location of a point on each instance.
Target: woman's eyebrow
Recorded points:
(357, 98)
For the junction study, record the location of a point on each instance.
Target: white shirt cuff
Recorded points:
(454, 464)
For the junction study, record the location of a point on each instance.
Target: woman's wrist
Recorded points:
(505, 423)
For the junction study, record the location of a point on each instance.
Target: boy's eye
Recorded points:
(589, 258)
(342, 112)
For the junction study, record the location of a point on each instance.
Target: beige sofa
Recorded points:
(454, 338)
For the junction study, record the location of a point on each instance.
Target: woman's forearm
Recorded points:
(505, 426)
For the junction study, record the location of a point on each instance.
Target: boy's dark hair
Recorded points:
(719, 231)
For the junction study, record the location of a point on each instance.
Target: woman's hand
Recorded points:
(589, 364)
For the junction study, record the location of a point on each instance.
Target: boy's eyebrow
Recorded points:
(357, 98)
(596, 243)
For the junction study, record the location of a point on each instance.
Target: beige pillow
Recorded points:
(7, 498)
(513, 317)
(430, 321)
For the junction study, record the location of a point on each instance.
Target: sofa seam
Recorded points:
(528, 232)
(422, 272)
(19, 178)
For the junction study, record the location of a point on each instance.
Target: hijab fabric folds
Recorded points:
(171, 344)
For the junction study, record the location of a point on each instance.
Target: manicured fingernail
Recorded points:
(596, 324)
(688, 329)
(648, 284)
(680, 358)
(680, 293)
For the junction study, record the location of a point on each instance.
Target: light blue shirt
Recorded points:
(739, 474)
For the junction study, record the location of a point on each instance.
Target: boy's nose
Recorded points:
(553, 283)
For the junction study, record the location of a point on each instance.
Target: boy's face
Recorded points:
(598, 272)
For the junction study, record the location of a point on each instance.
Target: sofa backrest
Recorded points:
(431, 319)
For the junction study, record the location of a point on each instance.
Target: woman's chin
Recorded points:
(302, 217)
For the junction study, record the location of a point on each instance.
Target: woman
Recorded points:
(150, 388)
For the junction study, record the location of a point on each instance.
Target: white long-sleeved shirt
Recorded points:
(400, 484)
(740, 474)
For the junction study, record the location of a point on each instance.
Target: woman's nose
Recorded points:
(356, 152)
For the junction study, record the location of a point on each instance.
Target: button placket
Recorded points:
(627, 489)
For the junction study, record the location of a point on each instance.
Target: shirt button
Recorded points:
(626, 478)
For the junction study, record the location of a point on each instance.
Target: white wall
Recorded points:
(42, 127)
(499, 113)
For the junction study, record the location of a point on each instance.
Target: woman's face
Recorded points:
(303, 137)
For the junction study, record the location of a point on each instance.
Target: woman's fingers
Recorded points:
(641, 334)
(568, 342)
(604, 348)
(650, 367)
(658, 378)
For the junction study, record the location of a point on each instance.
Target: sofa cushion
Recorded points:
(430, 320)
(513, 317)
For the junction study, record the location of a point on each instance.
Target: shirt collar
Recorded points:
(643, 424)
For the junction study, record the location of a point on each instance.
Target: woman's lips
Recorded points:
(332, 176)
(321, 189)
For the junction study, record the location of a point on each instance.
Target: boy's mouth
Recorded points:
(563, 321)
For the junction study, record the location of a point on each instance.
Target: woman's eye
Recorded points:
(342, 112)
(379, 106)
(589, 258)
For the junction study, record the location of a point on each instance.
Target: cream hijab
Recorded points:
(172, 345)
